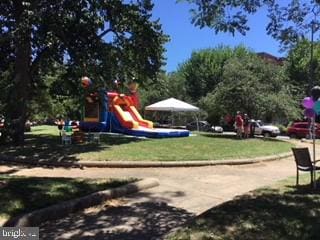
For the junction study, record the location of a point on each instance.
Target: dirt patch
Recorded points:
(106, 205)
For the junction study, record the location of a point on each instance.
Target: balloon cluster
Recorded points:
(312, 104)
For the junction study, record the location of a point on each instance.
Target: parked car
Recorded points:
(217, 129)
(229, 128)
(267, 130)
(301, 130)
(204, 126)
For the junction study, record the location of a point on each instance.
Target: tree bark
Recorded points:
(22, 78)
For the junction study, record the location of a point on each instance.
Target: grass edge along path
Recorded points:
(280, 211)
(20, 195)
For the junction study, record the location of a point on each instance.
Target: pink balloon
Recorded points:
(309, 113)
(308, 102)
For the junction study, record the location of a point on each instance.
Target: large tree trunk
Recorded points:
(19, 97)
(22, 79)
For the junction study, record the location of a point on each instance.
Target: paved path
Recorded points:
(182, 194)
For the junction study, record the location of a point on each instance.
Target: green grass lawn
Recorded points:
(20, 195)
(281, 212)
(43, 144)
(200, 147)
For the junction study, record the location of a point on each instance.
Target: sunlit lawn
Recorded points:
(277, 212)
(20, 195)
(43, 143)
(200, 147)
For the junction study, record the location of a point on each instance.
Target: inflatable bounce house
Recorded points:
(117, 113)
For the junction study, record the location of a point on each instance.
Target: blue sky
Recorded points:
(185, 38)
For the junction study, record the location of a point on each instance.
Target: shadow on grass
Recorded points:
(304, 189)
(44, 148)
(24, 194)
(262, 214)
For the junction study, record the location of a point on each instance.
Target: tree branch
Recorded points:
(38, 59)
(101, 35)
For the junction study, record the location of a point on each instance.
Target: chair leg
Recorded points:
(297, 178)
(311, 175)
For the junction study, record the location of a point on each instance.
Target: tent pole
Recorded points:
(172, 118)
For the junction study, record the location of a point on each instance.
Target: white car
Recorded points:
(217, 129)
(267, 130)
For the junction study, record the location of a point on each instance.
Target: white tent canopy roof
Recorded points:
(172, 105)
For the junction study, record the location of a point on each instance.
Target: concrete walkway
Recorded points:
(182, 194)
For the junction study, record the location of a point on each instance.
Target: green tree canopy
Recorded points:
(252, 86)
(102, 39)
(290, 21)
(168, 85)
(204, 70)
(298, 66)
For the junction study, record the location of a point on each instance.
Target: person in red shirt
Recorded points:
(239, 124)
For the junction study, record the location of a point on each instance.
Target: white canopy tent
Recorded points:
(173, 105)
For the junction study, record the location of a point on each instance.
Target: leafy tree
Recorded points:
(252, 86)
(54, 99)
(290, 21)
(204, 70)
(177, 86)
(294, 22)
(152, 92)
(102, 39)
(166, 86)
(298, 66)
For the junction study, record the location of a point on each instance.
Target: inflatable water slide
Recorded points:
(117, 113)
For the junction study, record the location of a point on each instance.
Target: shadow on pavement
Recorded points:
(149, 218)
